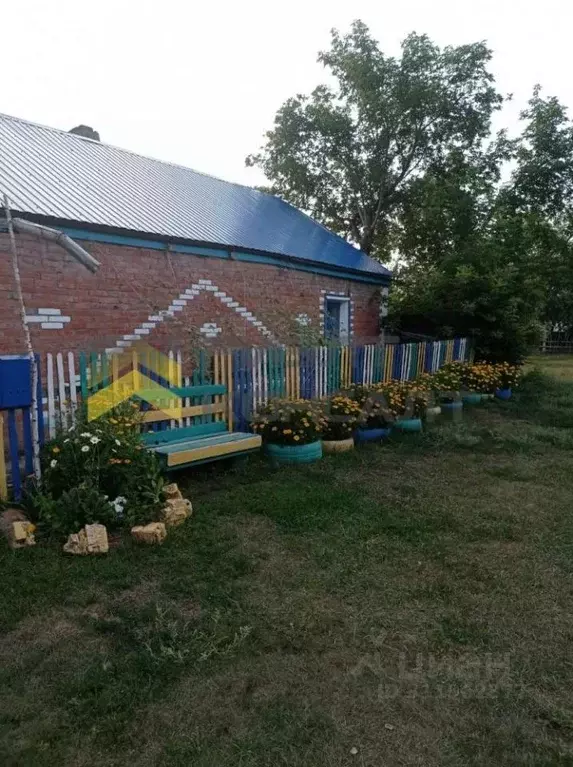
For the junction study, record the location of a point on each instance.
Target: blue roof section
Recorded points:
(48, 172)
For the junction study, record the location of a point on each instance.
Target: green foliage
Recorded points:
(398, 156)
(79, 506)
(348, 154)
(98, 471)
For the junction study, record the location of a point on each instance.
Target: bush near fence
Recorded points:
(252, 377)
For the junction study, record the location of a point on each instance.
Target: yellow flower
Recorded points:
(287, 431)
(55, 449)
(296, 437)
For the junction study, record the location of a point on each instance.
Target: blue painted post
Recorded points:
(397, 366)
(456, 354)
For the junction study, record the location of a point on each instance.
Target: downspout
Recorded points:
(83, 257)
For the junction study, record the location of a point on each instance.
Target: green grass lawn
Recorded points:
(401, 605)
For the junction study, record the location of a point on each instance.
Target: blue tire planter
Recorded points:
(449, 406)
(289, 454)
(504, 394)
(473, 398)
(371, 435)
(409, 424)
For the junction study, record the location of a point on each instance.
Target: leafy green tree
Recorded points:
(348, 154)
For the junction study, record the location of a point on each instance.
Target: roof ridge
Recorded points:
(73, 136)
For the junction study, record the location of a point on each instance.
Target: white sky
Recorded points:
(199, 82)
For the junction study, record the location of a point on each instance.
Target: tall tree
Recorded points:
(349, 154)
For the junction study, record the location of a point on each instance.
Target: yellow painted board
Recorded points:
(151, 416)
(200, 454)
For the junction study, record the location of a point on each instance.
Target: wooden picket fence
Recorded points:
(252, 376)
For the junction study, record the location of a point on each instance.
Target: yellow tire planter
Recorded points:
(337, 445)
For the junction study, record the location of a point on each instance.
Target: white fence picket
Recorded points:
(51, 398)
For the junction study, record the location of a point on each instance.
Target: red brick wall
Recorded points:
(133, 283)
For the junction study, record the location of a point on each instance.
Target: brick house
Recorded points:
(185, 258)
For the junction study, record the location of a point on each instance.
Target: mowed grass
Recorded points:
(400, 605)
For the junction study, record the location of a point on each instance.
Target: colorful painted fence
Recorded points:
(252, 377)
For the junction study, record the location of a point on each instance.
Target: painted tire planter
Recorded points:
(337, 445)
(409, 424)
(287, 454)
(473, 398)
(452, 406)
(371, 435)
(503, 394)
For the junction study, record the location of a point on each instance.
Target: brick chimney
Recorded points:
(85, 131)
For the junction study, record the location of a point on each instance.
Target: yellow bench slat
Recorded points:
(202, 453)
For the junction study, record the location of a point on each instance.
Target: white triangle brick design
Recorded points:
(179, 303)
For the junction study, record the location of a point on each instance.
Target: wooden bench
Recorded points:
(200, 433)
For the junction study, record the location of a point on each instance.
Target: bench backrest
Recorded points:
(203, 411)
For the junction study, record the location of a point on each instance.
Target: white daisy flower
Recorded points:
(53, 463)
(85, 434)
(117, 442)
(95, 440)
(85, 448)
(67, 439)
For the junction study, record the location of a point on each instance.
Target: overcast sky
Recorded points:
(199, 82)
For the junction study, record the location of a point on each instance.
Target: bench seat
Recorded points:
(180, 453)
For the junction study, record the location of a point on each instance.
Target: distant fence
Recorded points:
(252, 377)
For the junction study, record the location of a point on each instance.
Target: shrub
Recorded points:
(447, 381)
(359, 393)
(482, 377)
(285, 422)
(343, 415)
(102, 468)
(403, 398)
(79, 506)
(506, 376)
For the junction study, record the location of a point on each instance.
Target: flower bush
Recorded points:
(285, 422)
(483, 377)
(506, 376)
(447, 382)
(359, 393)
(404, 398)
(99, 471)
(342, 415)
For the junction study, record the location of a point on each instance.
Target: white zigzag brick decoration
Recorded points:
(210, 330)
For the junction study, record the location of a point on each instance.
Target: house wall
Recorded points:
(168, 298)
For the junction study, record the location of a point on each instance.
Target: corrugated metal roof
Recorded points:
(50, 172)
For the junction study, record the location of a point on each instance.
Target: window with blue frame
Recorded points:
(337, 318)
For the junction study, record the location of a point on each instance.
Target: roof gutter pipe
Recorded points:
(53, 235)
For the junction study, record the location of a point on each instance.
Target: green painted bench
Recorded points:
(206, 438)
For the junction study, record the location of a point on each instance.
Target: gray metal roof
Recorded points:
(49, 172)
